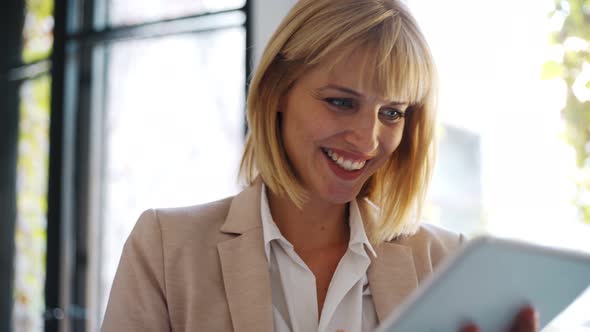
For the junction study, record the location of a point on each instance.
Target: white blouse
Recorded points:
(348, 305)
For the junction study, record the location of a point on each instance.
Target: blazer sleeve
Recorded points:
(137, 300)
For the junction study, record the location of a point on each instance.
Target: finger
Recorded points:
(470, 328)
(527, 320)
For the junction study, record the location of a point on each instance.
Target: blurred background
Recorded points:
(111, 107)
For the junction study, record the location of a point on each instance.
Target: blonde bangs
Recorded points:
(397, 58)
(331, 29)
(404, 74)
(396, 65)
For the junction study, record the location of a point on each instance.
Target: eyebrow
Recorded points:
(355, 93)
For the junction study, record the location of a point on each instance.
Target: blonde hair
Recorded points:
(324, 32)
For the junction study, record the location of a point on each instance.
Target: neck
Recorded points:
(318, 225)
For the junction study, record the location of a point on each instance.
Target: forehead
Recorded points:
(355, 71)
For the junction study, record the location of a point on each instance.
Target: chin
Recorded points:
(341, 196)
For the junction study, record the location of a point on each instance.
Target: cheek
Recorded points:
(393, 139)
(390, 142)
(310, 126)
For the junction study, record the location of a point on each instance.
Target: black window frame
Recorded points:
(80, 29)
(13, 72)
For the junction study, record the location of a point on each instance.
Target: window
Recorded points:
(32, 167)
(173, 129)
(152, 110)
(501, 147)
(30, 235)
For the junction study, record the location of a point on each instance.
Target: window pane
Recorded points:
(173, 129)
(126, 12)
(32, 167)
(455, 195)
(38, 30)
(490, 79)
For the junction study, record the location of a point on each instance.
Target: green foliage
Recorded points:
(32, 172)
(31, 225)
(551, 70)
(574, 39)
(41, 8)
(38, 30)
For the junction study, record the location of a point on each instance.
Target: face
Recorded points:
(338, 131)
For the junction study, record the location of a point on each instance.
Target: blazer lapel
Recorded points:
(392, 274)
(244, 265)
(392, 277)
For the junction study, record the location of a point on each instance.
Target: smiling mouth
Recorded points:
(346, 164)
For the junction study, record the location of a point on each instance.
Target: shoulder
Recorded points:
(430, 245)
(198, 217)
(164, 257)
(433, 237)
(177, 226)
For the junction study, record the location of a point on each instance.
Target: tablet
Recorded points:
(487, 282)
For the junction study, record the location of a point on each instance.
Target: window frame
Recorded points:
(12, 74)
(78, 83)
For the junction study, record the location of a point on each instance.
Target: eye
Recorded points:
(341, 103)
(391, 115)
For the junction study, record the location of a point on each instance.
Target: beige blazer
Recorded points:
(203, 268)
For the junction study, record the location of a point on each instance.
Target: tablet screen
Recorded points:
(488, 281)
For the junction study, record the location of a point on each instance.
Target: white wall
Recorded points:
(267, 14)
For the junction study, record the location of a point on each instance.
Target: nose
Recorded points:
(363, 133)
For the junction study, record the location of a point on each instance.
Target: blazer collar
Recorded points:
(244, 266)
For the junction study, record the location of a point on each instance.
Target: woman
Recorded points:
(325, 237)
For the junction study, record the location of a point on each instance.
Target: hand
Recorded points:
(527, 320)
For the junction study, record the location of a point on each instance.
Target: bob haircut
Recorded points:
(396, 56)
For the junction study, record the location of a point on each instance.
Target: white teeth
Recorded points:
(349, 165)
